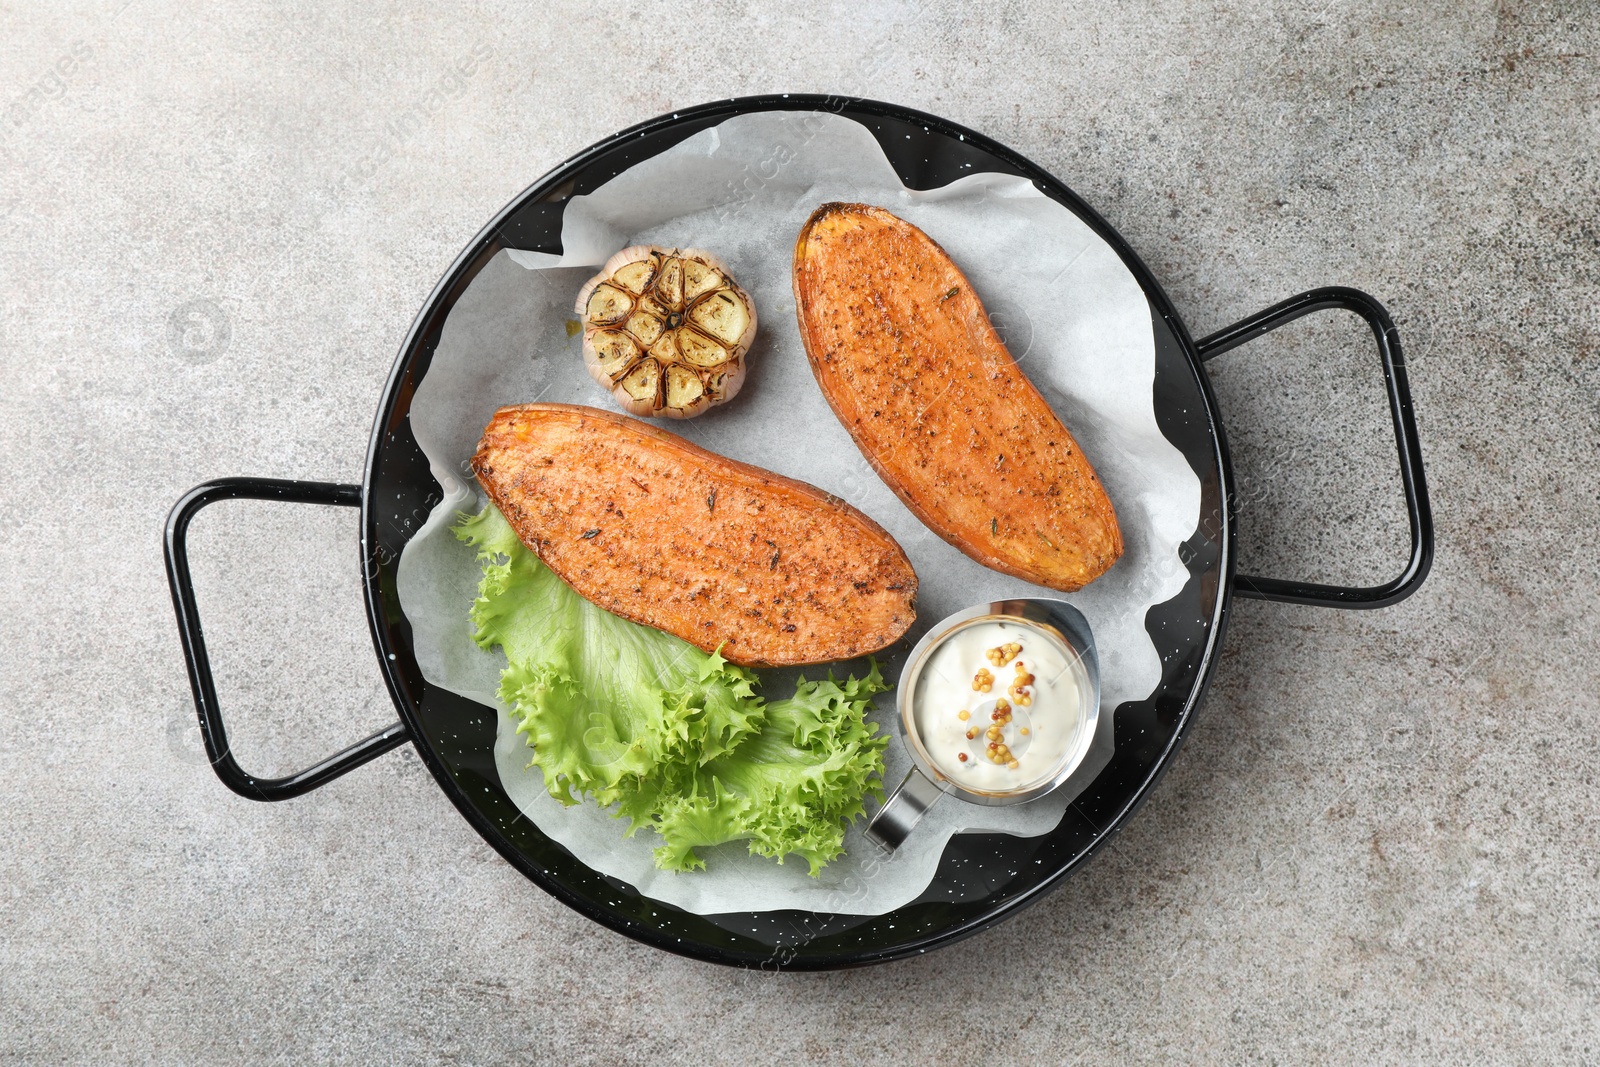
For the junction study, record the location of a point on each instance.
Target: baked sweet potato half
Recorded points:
(911, 364)
(650, 527)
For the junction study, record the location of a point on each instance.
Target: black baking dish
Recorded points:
(982, 878)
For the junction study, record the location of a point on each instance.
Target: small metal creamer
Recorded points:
(925, 783)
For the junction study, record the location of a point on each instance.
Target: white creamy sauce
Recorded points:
(1053, 717)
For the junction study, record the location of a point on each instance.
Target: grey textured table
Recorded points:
(1381, 841)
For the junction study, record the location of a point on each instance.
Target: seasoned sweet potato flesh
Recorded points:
(907, 357)
(719, 553)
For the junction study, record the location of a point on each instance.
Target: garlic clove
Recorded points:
(642, 387)
(646, 328)
(699, 277)
(684, 390)
(636, 276)
(613, 353)
(670, 287)
(722, 315)
(608, 304)
(699, 350)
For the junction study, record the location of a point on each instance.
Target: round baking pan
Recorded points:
(981, 878)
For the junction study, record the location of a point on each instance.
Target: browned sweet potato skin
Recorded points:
(905, 354)
(717, 552)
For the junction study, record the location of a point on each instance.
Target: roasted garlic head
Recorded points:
(666, 330)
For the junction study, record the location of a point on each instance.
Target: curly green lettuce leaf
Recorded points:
(670, 737)
(792, 787)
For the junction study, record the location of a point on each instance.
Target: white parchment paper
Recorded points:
(1069, 311)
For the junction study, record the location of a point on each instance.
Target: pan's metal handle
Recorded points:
(194, 642)
(1405, 435)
